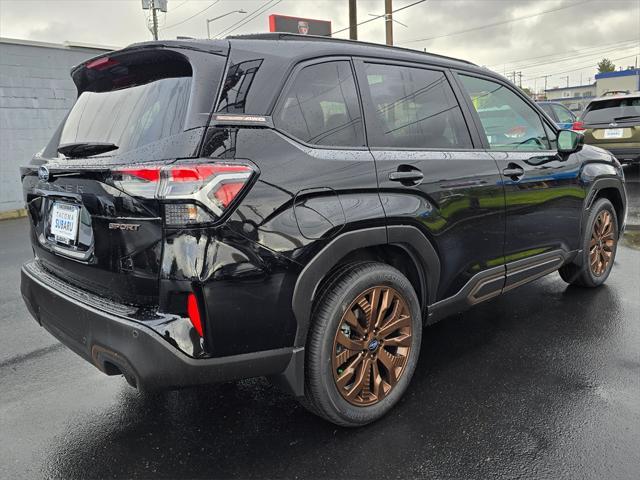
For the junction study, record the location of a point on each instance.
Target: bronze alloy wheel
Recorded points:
(602, 243)
(371, 346)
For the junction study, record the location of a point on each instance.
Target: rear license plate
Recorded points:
(614, 133)
(64, 222)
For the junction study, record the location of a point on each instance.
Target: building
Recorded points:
(619, 80)
(35, 93)
(574, 98)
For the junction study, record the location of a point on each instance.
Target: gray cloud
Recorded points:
(586, 31)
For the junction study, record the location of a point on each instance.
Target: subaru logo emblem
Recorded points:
(373, 344)
(613, 124)
(43, 173)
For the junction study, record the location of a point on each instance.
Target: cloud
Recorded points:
(575, 28)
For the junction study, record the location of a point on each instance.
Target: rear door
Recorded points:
(543, 193)
(430, 173)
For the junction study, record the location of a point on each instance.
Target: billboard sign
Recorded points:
(302, 26)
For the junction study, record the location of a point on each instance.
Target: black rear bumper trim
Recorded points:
(140, 353)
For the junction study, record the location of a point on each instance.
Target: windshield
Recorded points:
(130, 117)
(619, 110)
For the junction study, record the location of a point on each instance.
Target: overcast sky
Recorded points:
(567, 40)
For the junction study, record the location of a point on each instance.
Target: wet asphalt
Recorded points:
(543, 382)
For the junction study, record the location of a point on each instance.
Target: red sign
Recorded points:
(303, 26)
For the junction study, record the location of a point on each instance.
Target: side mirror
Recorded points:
(569, 141)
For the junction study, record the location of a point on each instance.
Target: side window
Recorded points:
(414, 108)
(547, 109)
(508, 121)
(321, 106)
(564, 115)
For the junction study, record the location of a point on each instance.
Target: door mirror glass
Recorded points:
(569, 141)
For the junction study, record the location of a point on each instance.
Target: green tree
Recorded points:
(605, 65)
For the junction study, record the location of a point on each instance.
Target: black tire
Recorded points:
(580, 272)
(322, 394)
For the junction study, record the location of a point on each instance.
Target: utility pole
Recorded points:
(353, 20)
(545, 85)
(388, 20)
(152, 21)
(154, 16)
(520, 79)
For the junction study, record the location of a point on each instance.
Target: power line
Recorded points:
(380, 16)
(489, 25)
(189, 18)
(577, 69)
(582, 56)
(179, 5)
(513, 62)
(248, 18)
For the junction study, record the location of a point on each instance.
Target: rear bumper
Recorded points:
(115, 344)
(626, 155)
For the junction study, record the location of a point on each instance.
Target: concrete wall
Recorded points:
(36, 91)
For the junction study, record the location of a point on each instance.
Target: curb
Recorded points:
(11, 214)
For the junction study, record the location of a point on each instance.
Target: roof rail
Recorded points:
(296, 36)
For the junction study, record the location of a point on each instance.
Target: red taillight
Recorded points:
(194, 313)
(101, 63)
(578, 126)
(227, 192)
(148, 174)
(212, 185)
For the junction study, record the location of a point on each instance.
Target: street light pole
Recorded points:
(209, 20)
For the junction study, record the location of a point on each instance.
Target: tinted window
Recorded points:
(129, 117)
(509, 122)
(618, 110)
(547, 109)
(564, 115)
(414, 108)
(321, 106)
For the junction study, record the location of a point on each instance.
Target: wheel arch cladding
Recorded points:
(613, 195)
(347, 246)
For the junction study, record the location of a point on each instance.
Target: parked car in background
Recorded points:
(296, 207)
(613, 122)
(560, 114)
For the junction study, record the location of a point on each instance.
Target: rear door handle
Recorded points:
(513, 171)
(407, 177)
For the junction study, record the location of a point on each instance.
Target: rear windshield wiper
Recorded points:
(627, 117)
(85, 149)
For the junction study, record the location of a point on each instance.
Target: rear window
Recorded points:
(618, 110)
(131, 101)
(321, 106)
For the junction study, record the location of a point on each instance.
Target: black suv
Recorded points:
(299, 208)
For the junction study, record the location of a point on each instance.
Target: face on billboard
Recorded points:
(303, 26)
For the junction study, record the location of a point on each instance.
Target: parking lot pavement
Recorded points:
(632, 176)
(543, 382)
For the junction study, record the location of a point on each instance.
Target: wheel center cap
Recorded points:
(373, 345)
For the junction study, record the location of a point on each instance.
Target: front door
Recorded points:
(543, 194)
(430, 173)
